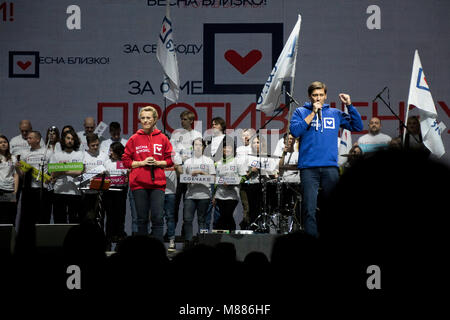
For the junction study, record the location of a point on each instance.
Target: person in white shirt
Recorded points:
(37, 157)
(115, 132)
(181, 141)
(115, 199)
(9, 182)
(198, 195)
(52, 139)
(226, 196)
(19, 144)
(288, 160)
(89, 127)
(169, 199)
(374, 140)
(67, 197)
(242, 152)
(93, 161)
(259, 167)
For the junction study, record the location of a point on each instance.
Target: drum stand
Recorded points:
(264, 221)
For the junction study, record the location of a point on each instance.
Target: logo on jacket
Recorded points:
(157, 149)
(328, 123)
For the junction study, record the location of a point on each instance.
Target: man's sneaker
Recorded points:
(172, 247)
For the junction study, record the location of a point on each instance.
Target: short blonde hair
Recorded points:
(149, 109)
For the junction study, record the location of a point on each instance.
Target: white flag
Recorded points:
(345, 144)
(168, 59)
(420, 96)
(284, 68)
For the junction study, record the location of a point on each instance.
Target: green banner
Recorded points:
(72, 166)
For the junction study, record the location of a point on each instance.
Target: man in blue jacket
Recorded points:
(318, 125)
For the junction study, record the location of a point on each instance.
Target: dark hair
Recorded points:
(76, 139)
(117, 148)
(228, 141)
(8, 152)
(56, 131)
(220, 121)
(65, 127)
(91, 137)
(316, 85)
(114, 126)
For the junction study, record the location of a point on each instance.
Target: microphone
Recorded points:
(378, 95)
(292, 99)
(320, 114)
(152, 171)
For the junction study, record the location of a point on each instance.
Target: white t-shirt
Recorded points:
(65, 184)
(215, 143)
(171, 176)
(104, 145)
(291, 176)
(243, 151)
(267, 166)
(7, 169)
(92, 161)
(20, 146)
(116, 172)
(234, 168)
(199, 190)
(34, 159)
(279, 148)
(372, 143)
(181, 141)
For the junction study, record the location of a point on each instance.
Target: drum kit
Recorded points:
(280, 212)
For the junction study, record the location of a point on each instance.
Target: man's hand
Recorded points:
(316, 107)
(345, 98)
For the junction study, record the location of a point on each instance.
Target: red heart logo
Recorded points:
(24, 65)
(243, 64)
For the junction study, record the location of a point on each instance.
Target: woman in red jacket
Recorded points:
(147, 153)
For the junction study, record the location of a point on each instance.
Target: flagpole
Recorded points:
(164, 118)
(293, 78)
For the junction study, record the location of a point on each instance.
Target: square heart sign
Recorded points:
(242, 58)
(238, 57)
(24, 64)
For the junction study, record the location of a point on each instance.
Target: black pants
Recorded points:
(41, 211)
(67, 208)
(226, 219)
(115, 209)
(8, 211)
(180, 192)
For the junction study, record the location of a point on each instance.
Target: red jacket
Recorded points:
(138, 148)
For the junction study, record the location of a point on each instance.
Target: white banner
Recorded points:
(187, 178)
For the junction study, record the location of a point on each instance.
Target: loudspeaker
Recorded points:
(7, 239)
(51, 236)
(244, 243)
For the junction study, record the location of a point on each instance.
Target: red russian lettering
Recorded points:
(123, 105)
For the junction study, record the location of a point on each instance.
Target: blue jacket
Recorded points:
(318, 140)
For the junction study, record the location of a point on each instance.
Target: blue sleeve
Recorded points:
(298, 125)
(351, 121)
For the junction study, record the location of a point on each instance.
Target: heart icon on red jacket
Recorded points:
(24, 65)
(243, 64)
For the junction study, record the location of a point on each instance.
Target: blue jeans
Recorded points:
(134, 228)
(209, 215)
(311, 179)
(150, 200)
(190, 206)
(169, 214)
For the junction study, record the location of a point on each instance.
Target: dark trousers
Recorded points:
(150, 200)
(180, 193)
(115, 207)
(226, 219)
(67, 208)
(8, 211)
(42, 210)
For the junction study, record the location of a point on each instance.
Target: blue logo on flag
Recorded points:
(419, 78)
(165, 30)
